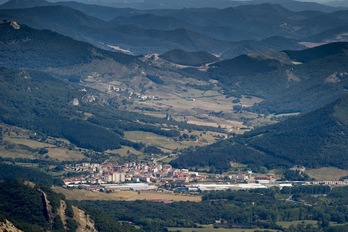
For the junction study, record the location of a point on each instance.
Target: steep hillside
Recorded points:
(315, 139)
(188, 58)
(35, 208)
(31, 208)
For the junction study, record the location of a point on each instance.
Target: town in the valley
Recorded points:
(153, 176)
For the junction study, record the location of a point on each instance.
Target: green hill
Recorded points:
(316, 139)
(178, 56)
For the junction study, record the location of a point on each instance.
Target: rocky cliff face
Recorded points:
(8, 226)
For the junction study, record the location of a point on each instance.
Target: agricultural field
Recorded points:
(205, 108)
(327, 173)
(79, 194)
(168, 144)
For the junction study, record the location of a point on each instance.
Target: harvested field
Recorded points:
(78, 194)
(327, 173)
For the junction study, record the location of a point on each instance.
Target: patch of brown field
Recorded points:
(64, 154)
(327, 173)
(145, 195)
(78, 194)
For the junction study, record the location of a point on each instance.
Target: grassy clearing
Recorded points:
(125, 151)
(78, 194)
(64, 154)
(327, 173)
(15, 154)
(153, 139)
(27, 142)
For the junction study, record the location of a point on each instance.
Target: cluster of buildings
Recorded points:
(132, 172)
(142, 97)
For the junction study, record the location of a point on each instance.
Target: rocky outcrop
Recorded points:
(8, 226)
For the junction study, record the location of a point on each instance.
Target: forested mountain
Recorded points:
(314, 140)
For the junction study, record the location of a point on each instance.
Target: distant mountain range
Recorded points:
(225, 32)
(167, 4)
